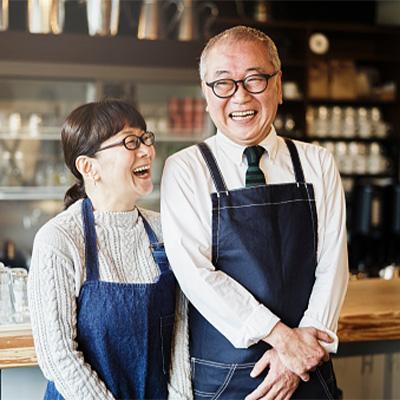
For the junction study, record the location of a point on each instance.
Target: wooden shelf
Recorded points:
(85, 49)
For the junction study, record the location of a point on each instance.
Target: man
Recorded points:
(254, 228)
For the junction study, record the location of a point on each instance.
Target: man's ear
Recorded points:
(87, 166)
(205, 93)
(279, 87)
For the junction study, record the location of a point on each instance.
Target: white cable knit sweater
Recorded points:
(56, 276)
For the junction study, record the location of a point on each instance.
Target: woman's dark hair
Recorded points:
(86, 128)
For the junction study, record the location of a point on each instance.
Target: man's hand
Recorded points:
(279, 384)
(298, 348)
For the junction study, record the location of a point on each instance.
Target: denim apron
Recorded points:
(125, 330)
(264, 237)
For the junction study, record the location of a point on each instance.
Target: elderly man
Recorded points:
(254, 228)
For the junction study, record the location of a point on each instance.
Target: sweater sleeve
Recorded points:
(180, 385)
(53, 307)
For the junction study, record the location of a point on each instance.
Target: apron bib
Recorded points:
(125, 330)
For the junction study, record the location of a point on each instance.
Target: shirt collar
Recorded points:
(235, 151)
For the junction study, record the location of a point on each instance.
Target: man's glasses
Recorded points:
(132, 142)
(256, 83)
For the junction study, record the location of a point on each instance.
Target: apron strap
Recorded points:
(212, 165)
(91, 259)
(157, 248)
(298, 170)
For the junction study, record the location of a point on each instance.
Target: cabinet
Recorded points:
(36, 94)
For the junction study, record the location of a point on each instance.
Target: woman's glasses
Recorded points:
(132, 142)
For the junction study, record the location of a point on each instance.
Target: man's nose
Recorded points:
(241, 95)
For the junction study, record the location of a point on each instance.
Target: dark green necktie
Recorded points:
(254, 175)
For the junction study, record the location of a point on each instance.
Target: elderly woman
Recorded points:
(102, 296)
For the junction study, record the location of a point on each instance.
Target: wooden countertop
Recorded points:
(371, 311)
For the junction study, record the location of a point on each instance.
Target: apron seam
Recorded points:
(276, 203)
(323, 384)
(226, 382)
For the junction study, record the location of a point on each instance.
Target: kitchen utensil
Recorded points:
(46, 16)
(102, 17)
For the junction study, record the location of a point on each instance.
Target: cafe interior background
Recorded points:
(341, 74)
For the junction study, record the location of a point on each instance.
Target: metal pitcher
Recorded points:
(46, 16)
(152, 18)
(102, 17)
(189, 22)
(3, 15)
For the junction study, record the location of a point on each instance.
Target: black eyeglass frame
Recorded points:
(243, 82)
(125, 139)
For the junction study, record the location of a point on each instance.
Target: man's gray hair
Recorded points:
(244, 34)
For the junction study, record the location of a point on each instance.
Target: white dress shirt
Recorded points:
(186, 223)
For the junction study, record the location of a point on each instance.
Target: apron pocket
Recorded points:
(166, 329)
(210, 378)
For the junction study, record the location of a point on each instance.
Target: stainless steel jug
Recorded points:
(102, 17)
(3, 15)
(189, 21)
(152, 19)
(46, 16)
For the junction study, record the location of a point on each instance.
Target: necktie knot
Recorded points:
(253, 154)
(254, 175)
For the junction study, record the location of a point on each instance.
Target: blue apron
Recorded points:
(264, 237)
(125, 330)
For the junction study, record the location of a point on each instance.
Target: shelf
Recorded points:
(32, 192)
(361, 176)
(52, 136)
(350, 102)
(28, 136)
(84, 49)
(348, 139)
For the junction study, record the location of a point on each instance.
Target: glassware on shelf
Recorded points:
(343, 160)
(6, 306)
(19, 279)
(349, 122)
(358, 156)
(364, 123)
(335, 122)
(13, 295)
(377, 162)
(321, 122)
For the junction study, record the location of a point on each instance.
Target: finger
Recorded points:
(260, 365)
(304, 377)
(321, 335)
(275, 394)
(262, 389)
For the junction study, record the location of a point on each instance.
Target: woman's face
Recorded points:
(125, 175)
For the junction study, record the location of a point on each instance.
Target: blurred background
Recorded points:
(341, 73)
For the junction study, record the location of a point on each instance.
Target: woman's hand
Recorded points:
(279, 384)
(299, 348)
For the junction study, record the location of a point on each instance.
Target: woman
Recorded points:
(101, 294)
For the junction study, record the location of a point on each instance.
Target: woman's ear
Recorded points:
(87, 166)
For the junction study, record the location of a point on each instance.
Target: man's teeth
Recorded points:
(141, 169)
(242, 114)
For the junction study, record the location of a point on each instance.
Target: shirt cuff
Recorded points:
(310, 322)
(259, 324)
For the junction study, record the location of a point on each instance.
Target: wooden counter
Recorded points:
(371, 311)
(16, 347)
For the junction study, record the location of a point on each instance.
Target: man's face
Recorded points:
(245, 118)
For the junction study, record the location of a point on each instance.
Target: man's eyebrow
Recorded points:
(252, 69)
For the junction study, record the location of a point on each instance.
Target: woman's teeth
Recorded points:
(141, 170)
(240, 115)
